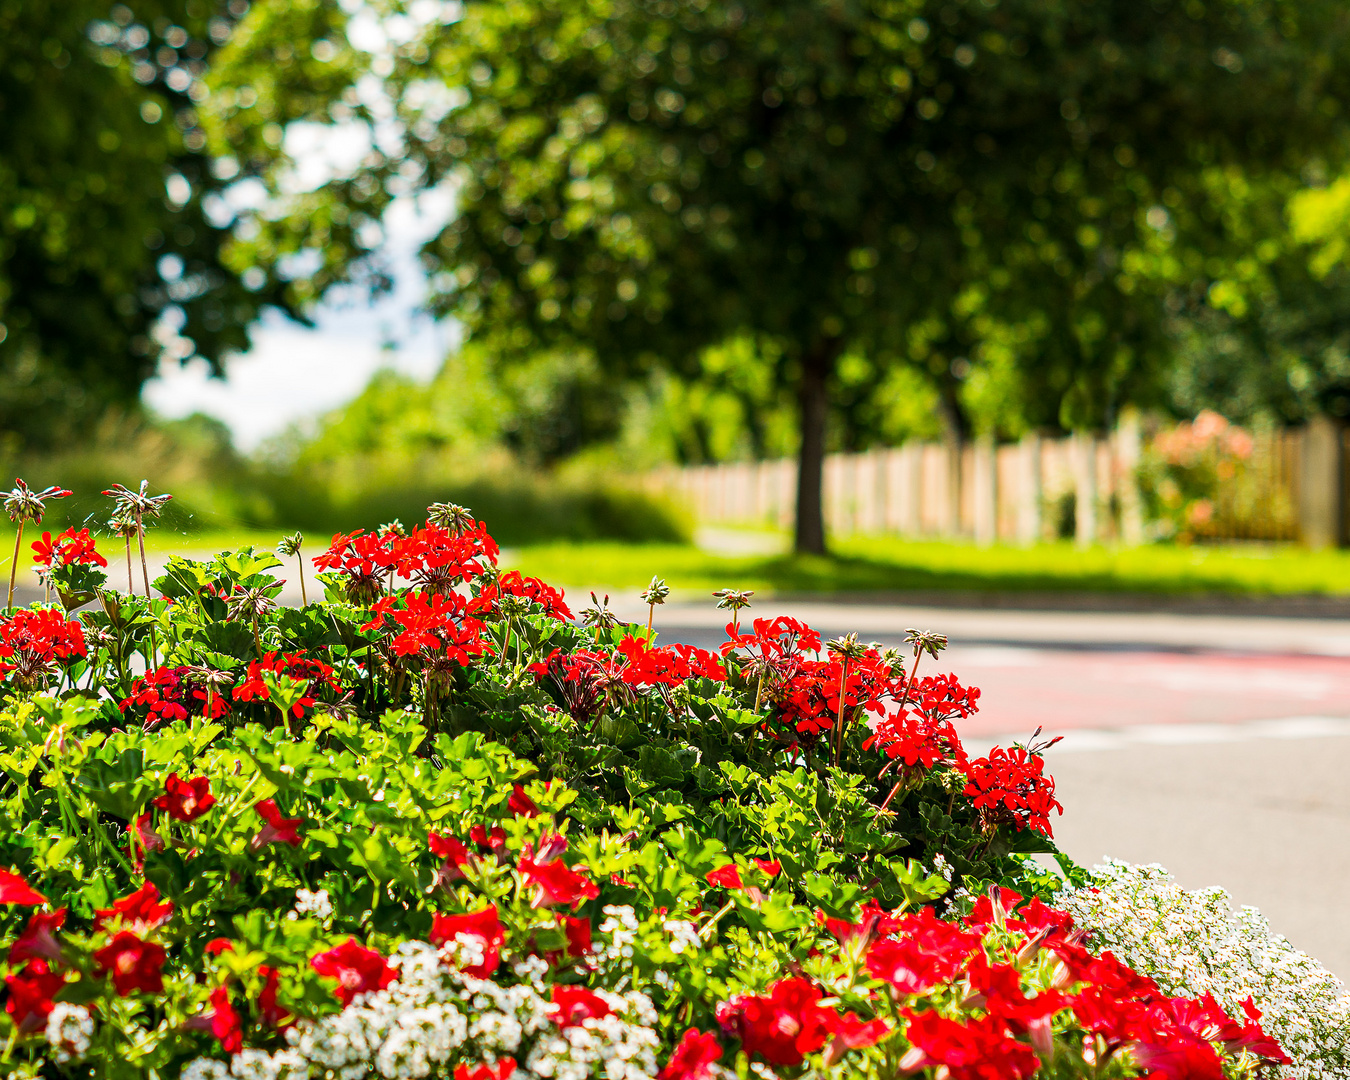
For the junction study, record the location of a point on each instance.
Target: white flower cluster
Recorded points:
(1192, 943)
(311, 903)
(433, 1017)
(70, 1030)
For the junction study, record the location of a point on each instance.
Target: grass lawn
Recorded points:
(872, 565)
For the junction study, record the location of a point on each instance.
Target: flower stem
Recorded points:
(300, 559)
(13, 572)
(131, 581)
(140, 540)
(839, 723)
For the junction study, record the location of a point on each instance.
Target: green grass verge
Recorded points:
(885, 564)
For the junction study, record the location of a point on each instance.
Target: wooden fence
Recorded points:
(1293, 487)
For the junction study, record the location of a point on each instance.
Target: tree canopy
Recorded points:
(112, 224)
(952, 185)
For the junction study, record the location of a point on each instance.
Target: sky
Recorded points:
(293, 374)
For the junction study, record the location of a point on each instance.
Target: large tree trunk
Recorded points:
(813, 403)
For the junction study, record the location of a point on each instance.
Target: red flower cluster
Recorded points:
(667, 665)
(789, 1023)
(921, 734)
(15, 890)
(574, 1005)
(693, 1058)
(32, 642)
(30, 994)
(529, 588)
(1175, 1038)
(554, 882)
(431, 556)
(186, 800)
(297, 666)
(70, 548)
(133, 963)
(429, 623)
(357, 969)
(481, 928)
(141, 911)
(1010, 787)
(276, 829)
(590, 681)
(174, 693)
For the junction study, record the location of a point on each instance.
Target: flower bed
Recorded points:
(431, 826)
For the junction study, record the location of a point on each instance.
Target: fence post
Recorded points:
(1129, 452)
(985, 483)
(1320, 487)
(1085, 488)
(949, 521)
(1029, 489)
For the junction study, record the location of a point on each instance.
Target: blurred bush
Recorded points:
(216, 488)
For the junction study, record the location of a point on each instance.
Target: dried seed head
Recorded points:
(137, 504)
(25, 504)
(392, 528)
(849, 647)
(249, 604)
(926, 641)
(122, 526)
(598, 614)
(735, 599)
(451, 516)
(656, 592)
(511, 605)
(290, 545)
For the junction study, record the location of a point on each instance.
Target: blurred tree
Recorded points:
(111, 218)
(963, 185)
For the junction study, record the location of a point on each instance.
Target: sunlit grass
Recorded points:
(870, 565)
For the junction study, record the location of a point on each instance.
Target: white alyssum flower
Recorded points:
(433, 1017)
(1192, 943)
(311, 903)
(70, 1030)
(683, 935)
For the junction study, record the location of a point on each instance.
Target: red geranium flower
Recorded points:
(768, 867)
(276, 829)
(140, 911)
(14, 890)
(782, 1027)
(225, 1024)
(573, 1005)
(978, 1050)
(481, 926)
(692, 1058)
(134, 964)
(929, 951)
(37, 942)
(30, 994)
(1010, 787)
(521, 804)
(356, 969)
(578, 933)
(556, 883)
(219, 945)
(852, 1032)
(725, 877)
(501, 1069)
(269, 1012)
(71, 547)
(186, 800)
